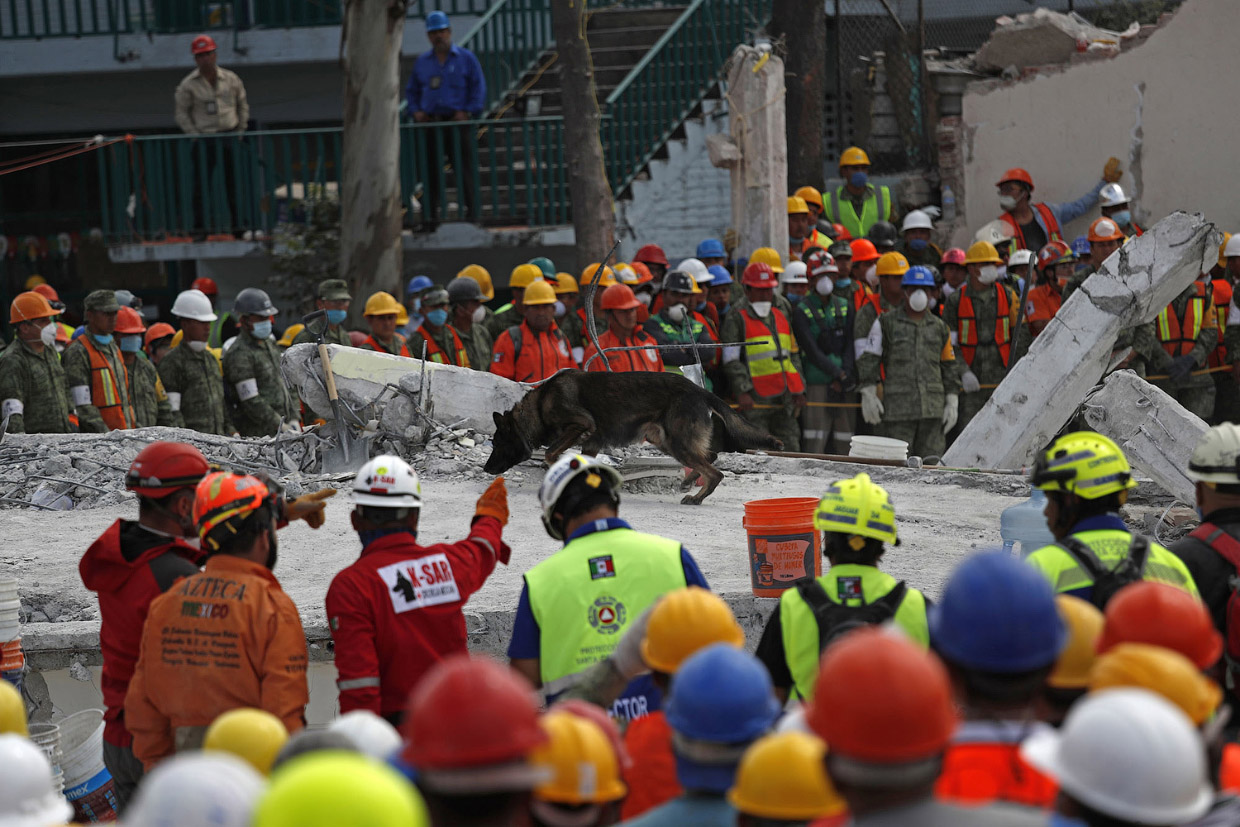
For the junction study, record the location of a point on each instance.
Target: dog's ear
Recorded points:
(499, 420)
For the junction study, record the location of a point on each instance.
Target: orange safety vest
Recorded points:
(1048, 219)
(624, 360)
(863, 294)
(437, 354)
(1041, 306)
(1229, 770)
(105, 393)
(1178, 336)
(770, 364)
(980, 773)
(404, 348)
(966, 324)
(1222, 302)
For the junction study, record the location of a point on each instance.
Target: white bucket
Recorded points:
(88, 784)
(8, 588)
(878, 447)
(47, 738)
(10, 629)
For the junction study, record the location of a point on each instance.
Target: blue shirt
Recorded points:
(688, 811)
(456, 85)
(641, 696)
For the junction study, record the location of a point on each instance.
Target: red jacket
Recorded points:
(652, 778)
(397, 611)
(129, 566)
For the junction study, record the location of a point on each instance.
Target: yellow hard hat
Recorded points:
(768, 256)
(858, 507)
(539, 292)
(254, 735)
(402, 316)
(684, 621)
(583, 762)
(176, 338)
(1084, 463)
(1162, 671)
(1222, 248)
(811, 196)
(479, 274)
(783, 777)
(982, 252)
(381, 304)
(35, 281)
(12, 711)
(606, 280)
(1084, 622)
(565, 283)
(342, 789)
(797, 205)
(891, 264)
(523, 275)
(626, 274)
(290, 333)
(854, 156)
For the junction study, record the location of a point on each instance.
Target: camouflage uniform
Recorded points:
(150, 401)
(920, 369)
(478, 344)
(929, 257)
(36, 381)
(863, 320)
(780, 421)
(1196, 393)
(987, 363)
(336, 335)
(506, 317)
(252, 369)
(196, 379)
(77, 373)
(573, 328)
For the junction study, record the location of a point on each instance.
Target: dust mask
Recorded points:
(1002, 269)
(933, 302)
(918, 301)
(644, 298)
(871, 276)
(197, 347)
(48, 334)
(560, 309)
(761, 309)
(824, 286)
(988, 274)
(1007, 203)
(479, 314)
(676, 313)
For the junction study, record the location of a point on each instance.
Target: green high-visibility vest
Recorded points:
(800, 629)
(1110, 545)
(839, 210)
(585, 595)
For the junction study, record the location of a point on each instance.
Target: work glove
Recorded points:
(951, 411)
(1113, 171)
(871, 405)
(627, 656)
(494, 502)
(309, 507)
(932, 210)
(290, 427)
(1181, 367)
(969, 380)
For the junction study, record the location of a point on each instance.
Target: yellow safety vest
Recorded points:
(1111, 546)
(839, 210)
(770, 363)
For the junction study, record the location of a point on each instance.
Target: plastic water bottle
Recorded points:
(949, 204)
(1025, 524)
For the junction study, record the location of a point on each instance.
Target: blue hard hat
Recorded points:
(1080, 246)
(997, 614)
(418, 283)
(436, 21)
(918, 277)
(711, 248)
(720, 273)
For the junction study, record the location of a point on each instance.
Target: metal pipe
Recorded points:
(598, 353)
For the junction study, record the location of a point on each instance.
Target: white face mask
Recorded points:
(560, 309)
(871, 276)
(676, 313)
(918, 301)
(197, 347)
(761, 309)
(479, 314)
(644, 298)
(988, 274)
(1007, 203)
(48, 335)
(1002, 268)
(933, 302)
(824, 286)
(947, 289)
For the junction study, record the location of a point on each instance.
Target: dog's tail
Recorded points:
(739, 433)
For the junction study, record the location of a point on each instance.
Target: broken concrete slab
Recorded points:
(1044, 37)
(1043, 390)
(1156, 433)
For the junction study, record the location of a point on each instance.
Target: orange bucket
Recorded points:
(784, 547)
(11, 656)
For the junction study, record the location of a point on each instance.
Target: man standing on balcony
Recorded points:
(446, 85)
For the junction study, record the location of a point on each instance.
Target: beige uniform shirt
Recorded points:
(201, 107)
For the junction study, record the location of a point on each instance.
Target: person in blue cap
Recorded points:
(413, 303)
(446, 85)
(1080, 249)
(710, 251)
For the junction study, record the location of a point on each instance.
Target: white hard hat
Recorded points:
(1130, 755)
(1112, 195)
(1217, 456)
(794, 273)
(28, 798)
(626, 274)
(566, 469)
(373, 735)
(916, 220)
(1233, 246)
(1020, 258)
(193, 304)
(197, 789)
(387, 481)
(996, 232)
(696, 268)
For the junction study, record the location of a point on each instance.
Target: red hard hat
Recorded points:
(129, 321)
(1162, 615)
(619, 297)
(864, 250)
(651, 254)
(164, 467)
(953, 256)
(759, 274)
(470, 712)
(206, 286)
(1054, 252)
(840, 233)
(1016, 174)
(881, 698)
(202, 43)
(157, 331)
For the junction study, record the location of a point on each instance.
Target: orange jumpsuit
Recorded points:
(625, 360)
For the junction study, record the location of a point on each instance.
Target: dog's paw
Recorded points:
(690, 499)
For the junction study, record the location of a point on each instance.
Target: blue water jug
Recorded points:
(1025, 524)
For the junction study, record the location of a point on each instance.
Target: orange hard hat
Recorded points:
(864, 250)
(46, 291)
(643, 272)
(156, 332)
(205, 285)
(1016, 174)
(29, 306)
(840, 233)
(811, 196)
(619, 297)
(164, 467)
(881, 698)
(223, 501)
(1162, 615)
(202, 43)
(129, 321)
(1104, 229)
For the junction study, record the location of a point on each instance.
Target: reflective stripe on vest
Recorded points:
(105, 393)
(1222, 301)
(873, 210)
(1048, 219)
(677, 334)
(1066, 574)
(770, 365)
(1178, 336)
(402, 351)
(435, 353)
(584, 596)
(966, 324)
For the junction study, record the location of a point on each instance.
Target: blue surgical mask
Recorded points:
(417, 305)
(918, 244)
(262, 330)
(844, 283)
(103, 339)
(131, 344)
(1122, 218)
(701, 307)
(794, 242)
(794, 298)
(337, 316)
(438, 317)
(858, 179)
(725, 309)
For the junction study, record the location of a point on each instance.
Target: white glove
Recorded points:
(627, 656)
(871, 405)
(951, 411)
(969, 380)
(932, 211)
(290, 427)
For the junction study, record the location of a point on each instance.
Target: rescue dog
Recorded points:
(602, 410)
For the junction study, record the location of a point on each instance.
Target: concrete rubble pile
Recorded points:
(1043, 38)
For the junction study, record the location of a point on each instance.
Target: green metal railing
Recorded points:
(508, 41)
(671, 80)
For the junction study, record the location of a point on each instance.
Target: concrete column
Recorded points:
(756, 111)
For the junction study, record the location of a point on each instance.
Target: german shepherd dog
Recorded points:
(612, 409)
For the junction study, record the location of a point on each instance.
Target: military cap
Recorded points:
(102, 300)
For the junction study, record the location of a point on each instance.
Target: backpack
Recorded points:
(836, 619)
(1228, 548)
(1109, 581)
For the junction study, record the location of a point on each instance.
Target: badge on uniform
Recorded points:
(211, 108)
(607, 615)
(436, 81)
(601, 567)
(849, 588)
(416, 584)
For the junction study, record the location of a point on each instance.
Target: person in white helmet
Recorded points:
(191, 373)
(198, 789)
(397, 610)
(28, 796)
(794, 282)
(915, 240)
(1116, 206)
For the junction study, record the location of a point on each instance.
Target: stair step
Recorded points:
(625, 18)
(626, 37)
